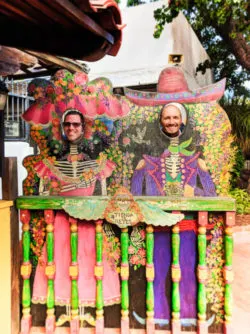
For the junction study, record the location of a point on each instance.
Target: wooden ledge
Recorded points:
(165, 203)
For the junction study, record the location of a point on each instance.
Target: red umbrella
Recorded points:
(39, 113)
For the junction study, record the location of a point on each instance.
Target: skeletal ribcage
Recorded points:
(76, 168)
(173, 161)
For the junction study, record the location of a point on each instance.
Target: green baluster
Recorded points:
(228, 270)
(150, 279)
(124, 283)
(50, 272)
(176, 277)
(73, 273)
(99, 277)
(26, 272)
(202, 272)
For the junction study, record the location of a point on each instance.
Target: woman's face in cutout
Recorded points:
(73, 127)
(171, 121)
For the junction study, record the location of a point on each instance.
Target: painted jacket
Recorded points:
(152, 178)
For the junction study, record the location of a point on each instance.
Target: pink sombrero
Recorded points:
(172, 87)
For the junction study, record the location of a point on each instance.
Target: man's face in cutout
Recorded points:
(73, 127)
(171, 120)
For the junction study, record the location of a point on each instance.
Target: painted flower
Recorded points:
(59, 90)
(71, 85)
(142, 233)
(80, 78)
(131, 250)
(91, 89)
(134, 259)
(50, 90)
(126, 141)
(142, 252)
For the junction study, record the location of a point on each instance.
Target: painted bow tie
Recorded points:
(181, 148)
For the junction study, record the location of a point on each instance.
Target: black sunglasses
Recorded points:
(74, 124)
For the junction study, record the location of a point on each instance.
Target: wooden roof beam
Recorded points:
(57, 61)
(82, 19)
(51, 13)
(10, 9)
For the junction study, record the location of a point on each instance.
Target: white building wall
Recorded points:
(142, 57)
(19, 150)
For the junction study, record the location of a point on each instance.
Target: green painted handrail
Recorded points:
(165, 203)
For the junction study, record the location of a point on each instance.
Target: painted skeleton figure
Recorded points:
(74, 174)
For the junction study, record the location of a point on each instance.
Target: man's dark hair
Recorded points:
(73, 112)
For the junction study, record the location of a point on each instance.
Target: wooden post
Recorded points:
(176, 277)
(228, 272)
(50, 272)
(25, 273)
(73, 272)
(10, 192)
(202, 272)
(99, 329)
(150, 279)
(124, 283)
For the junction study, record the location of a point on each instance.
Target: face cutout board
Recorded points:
(123, 141)
(128, 132)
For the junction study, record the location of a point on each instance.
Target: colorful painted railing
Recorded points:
(201, 205)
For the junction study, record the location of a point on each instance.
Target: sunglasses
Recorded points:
(74, 124)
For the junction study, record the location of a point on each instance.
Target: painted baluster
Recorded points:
(99, 276)
(50, 272)
(202, 272)
(228, 272)
(150, 279)
(25, 273)
(176, 277)
(124, 283)
(73, 272)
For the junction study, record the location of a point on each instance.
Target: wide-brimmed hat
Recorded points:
(172, 87)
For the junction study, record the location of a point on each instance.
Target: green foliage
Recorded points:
(239, 164)
(242, 200)
(131, 3)
(223, 28)
(238, 111)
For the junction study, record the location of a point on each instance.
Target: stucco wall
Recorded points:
(142, 57)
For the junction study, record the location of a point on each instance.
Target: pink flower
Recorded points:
(50, 90)
(126, 141)
(116, 256)
(134, 259)
(59, 90)
(142, 252)
(80, 78)
(142, 234)
(131, 250)
(91, 89)
(143, 261)
(71, 85)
